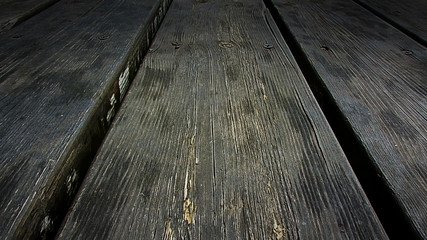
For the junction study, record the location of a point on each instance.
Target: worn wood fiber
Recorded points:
(220, 138)
(409, 15)
(62, 75)
(376, 75)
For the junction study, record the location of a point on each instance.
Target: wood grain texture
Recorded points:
(220, 138)
(376, 75)
(411, 15)
(13, 12)
(63, 74)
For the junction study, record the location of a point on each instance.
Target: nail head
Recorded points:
(268, 46)
(325, 48)
(407, 52)
(104, 37)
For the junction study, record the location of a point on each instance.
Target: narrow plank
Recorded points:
(376, 76)
(410, 16)
(13, 12)
(220, 138)
(62, 76)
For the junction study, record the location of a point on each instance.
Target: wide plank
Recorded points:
(409, 16)
(63, 74)
(13, 12)
(220, 137)
(376, 76)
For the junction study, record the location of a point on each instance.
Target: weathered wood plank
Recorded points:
(410, 16)
(13, 12)
(220, 138)
(376, 76)
(62, 76)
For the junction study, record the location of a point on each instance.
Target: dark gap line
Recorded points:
(96, 130)
(395, 24)
(391, 215)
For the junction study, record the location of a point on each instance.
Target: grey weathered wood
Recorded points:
(410, 15)
(220, 138)
(62, 75)
(376, 75)
(13, 12)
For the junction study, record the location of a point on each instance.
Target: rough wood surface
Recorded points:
(410, 15)
(220, 138)
(13, 12)
(377, 77)
(62, 75)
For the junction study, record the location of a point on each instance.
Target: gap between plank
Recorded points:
(383, 201)
(96, 131)
(396, 25)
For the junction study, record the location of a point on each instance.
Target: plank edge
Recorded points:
(43, 216)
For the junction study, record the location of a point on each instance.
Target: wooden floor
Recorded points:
(203, 119)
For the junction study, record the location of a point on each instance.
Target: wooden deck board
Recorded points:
(220, 137)
(62, 75)
(410, 16)
(376, 75)
(13, 12)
